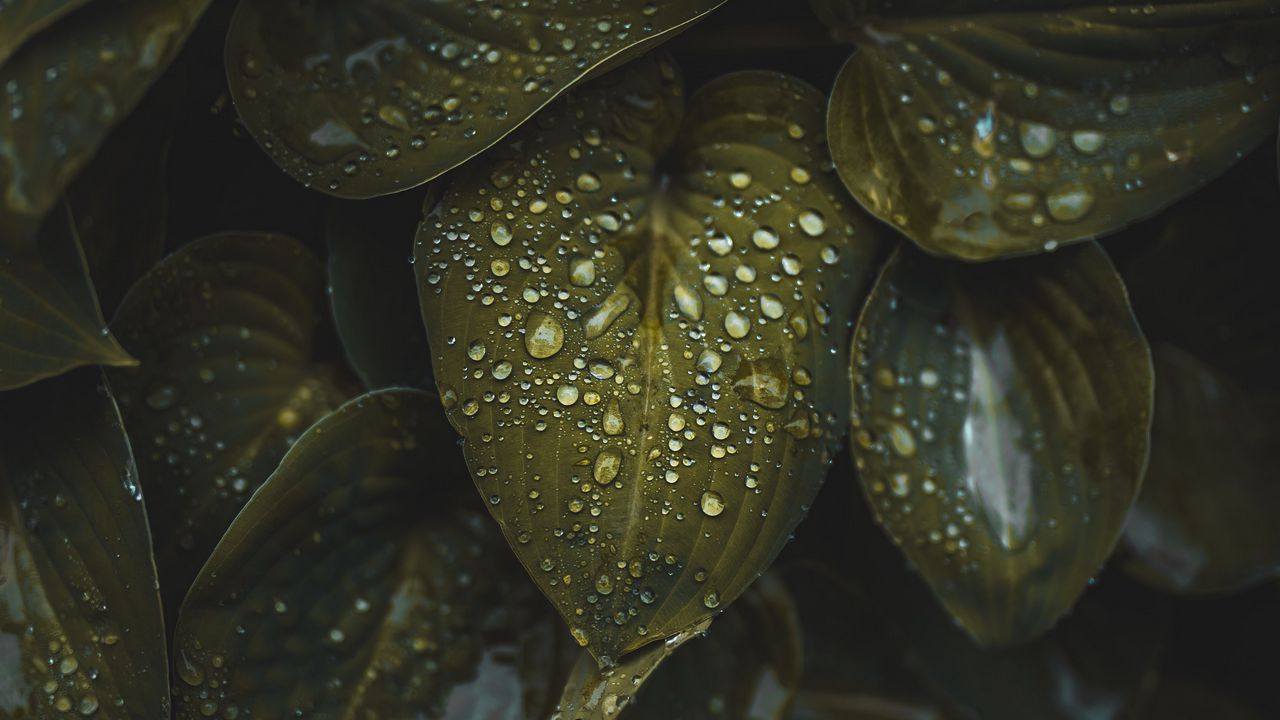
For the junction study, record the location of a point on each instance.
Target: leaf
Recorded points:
(50, 321)
(373, 292)
(983, 131)
(351, 586)
(1000, 423)
(20, 19)
(66, 89)
(359, 98)
(746, 667)
(80, 625)
(227, 330)
(1204, 521)
(632, 372)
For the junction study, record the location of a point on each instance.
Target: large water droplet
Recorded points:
(543, 336)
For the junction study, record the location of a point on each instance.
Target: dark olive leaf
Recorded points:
(66, 89)
(982, 131)
(352, 587)
(50, 321)
(119, 202)
(368, 97)
(226, 330)
(1205, 520)
(80, 626)
(1000, 420)
(1190, 698)
(631, 354)
(373, 293)
(746, 667)
(20, 19)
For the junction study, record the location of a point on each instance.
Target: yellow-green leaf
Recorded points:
(1000, 423)
(228, 332)
(80, 626)
(20, 19)
(355, 585)
(359, 98)
(641, 339)
(64, 90)
(984, 130)
(50, 321)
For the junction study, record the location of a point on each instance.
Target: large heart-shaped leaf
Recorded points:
(80, 626)
(982, 130)
(66, 88)
(640, 357)
(227, 330)
(1000, 420)
(1205, 520)
(354, 585)
(367, 97)
(50, 321)
(373, 292)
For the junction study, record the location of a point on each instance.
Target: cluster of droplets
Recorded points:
(625, 353)
(1015, 174)
(430, 97)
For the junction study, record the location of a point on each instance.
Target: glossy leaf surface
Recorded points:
(642, 362)
(983, 129)
(50, 321)
(226, 330)
(359, 98)
(65, 90)
(1000, 421)
(1205, 520)
(80, 626)
(352, 586)
(373, 292)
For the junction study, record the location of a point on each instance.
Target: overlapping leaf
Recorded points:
(983, 129)
(63, 91)
(1000, 423)
(367, 97)
(1205, 519)
(227, 331)
(80, 626)
(641, 360)
(50, 321)
(354, 586)
(373, 291)
(20, 19)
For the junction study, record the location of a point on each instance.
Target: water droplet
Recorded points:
(736, 324)
(1069, 202)
(567, 394)
(709, 361)
(582, 272)
(771, 306)
(720, 244)
(476, 350)
(588, 182)
(500, 234)
(1088, 141)
(688, 301)
(740, 179)
(543, 336)
(765, 238)
(612, 423)
(609, 310)
(763, 382)
(711, 600)
(712, 503)
(1037, 140)
(812, 223)
(607, 465)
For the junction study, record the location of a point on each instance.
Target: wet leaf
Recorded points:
(50, 321)
(66, 89)
(632, 354)
(227, 331)
(80, 625)
(368, 97)
(984, 131)
(745, 667)
(373, 293)
(1205, 520)
(20, 19)
(1000, 421)
(351, 585)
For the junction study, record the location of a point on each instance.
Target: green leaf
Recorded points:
(631, 350)
(80, 625)
(353, 586)
(50, 321)
(1000, 423)
(983, 131)
(359, 98)
(66, 88)
(20, 19)
(1204, 521)
(227, 330)
(373, 292)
